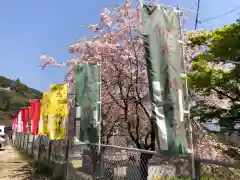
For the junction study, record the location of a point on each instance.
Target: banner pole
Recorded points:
(101, 174)
(187, 112)
(100, 117)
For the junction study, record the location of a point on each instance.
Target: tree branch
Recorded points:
(224, 94)
(138, 123)
(146, 146)
(132, 136)
(141, 105)
(113, 98)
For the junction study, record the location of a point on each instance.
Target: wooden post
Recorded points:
(66, 158)
(197, 169)
(21, 141)
(27, 141)
(33, 143)
(49, 151)
(40, 147)
(29, 128)
(17, 139)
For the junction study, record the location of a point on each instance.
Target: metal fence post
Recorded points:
(197, 164)
(95, 161)
(99, 165)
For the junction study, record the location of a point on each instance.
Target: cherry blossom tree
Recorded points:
(117, 46)
(124, 90)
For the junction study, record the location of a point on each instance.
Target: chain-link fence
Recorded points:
(107, 162)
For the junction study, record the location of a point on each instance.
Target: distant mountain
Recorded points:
(13, 95)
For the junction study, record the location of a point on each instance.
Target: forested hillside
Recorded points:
(13, 95)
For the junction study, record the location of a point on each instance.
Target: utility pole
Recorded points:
(196, 20)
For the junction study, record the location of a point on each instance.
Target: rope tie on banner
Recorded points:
(141, 2)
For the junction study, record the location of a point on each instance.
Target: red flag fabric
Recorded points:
(19, 122)
(35, 106)
(14, 122)
(24, 115)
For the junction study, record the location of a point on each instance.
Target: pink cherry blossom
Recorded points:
(115, 45)
(118, 49)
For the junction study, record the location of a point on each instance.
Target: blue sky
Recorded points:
(30, 28)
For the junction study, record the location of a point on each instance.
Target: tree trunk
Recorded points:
(144, 158)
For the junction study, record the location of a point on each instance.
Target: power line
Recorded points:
(195, 4)
(196, 20)
(219, 16)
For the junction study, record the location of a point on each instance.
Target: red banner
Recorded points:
(14, 122)
(35, 106)
(24, 116)
(19, 122)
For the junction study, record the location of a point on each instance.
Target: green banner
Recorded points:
(88, 102)
(161, 32)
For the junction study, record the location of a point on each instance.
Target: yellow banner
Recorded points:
(58, 111)
(43, 123)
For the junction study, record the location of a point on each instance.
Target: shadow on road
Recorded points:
(16, 162)
(28, 172)
(23, 173)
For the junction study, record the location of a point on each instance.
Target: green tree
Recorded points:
(17, 82)
(19, 87)
(215, 75)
